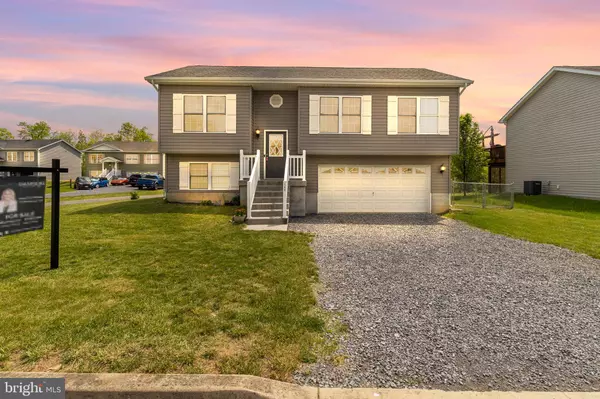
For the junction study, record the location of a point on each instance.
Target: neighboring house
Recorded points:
(122, 158)
(552, 133)
(40, 153)
(359, 139)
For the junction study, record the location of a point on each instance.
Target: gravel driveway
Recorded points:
(432, 302)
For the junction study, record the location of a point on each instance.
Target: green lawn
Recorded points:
(64, 186)
(146, 286)
(566, 222)
(142, 193)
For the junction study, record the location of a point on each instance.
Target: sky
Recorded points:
(80, 64)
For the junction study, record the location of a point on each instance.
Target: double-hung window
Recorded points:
(198, 176)
(418, 115)
(28, 156)
(151, 159)
(132, 159)
(339, 114)
(12, 156)
(96, 158)
(204, 113)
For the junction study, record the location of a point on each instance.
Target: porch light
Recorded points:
(257, 132)
(442, 168)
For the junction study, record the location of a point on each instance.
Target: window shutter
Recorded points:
(231, 110)
(184, 175)
(365, 122)
(392, 115)
(177, 113)
(313, 114)
(444, 116)
(234, 175)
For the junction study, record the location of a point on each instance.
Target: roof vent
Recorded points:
(276, 101)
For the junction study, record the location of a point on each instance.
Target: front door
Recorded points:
(276, 146)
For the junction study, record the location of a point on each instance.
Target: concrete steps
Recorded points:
(268, 203)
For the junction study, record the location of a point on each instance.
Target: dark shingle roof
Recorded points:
(262, 72)
(25, 144)
(584, 68)
(130, 146)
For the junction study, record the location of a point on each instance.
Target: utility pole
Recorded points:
(491, 136)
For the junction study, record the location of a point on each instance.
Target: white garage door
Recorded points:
(363, 189)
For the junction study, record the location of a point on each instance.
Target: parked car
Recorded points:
(151, 182)
(83, 183)
(99, 182)
(119, 181)
(133, 179)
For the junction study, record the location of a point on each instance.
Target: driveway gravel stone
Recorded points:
(434, 303)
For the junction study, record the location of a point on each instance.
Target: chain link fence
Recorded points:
(482, 195)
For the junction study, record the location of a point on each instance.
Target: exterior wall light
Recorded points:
(257, 132)
(442, 168)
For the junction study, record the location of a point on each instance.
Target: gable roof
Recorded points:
(25, 145)
(126, 146)
(306, 75)
(583, 70)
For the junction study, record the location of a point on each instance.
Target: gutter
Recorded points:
(465, 88)
(308, 82)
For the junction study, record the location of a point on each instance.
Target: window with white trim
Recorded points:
(12, 156)
(204, 113)
(29, 156)
(151, 159)
(418, 115)
(96, 158)
(339, 114)
(132, 159)
(209, 175)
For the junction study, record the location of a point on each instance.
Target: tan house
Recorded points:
(297, 140)
(553, 133)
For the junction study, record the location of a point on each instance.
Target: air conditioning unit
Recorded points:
(532, 187)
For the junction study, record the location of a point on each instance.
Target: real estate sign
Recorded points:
(21, 204)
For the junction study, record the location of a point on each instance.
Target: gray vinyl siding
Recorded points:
(69, 158)
(269, 118)
(439, 181)
(172, 172)
(204, 143)
(378, 142)
(125, 169)
(554, 137)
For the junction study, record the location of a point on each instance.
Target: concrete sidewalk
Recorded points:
(186, 386)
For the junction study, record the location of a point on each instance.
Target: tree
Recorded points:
(130, 132)
(67, 136)
(470, 164)
(5, 134)
(37, 131)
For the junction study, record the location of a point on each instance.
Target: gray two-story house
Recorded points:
(553, 131)
(297, 140)
(122, 158)
(40, 153)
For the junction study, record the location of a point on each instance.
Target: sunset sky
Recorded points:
(80, 64)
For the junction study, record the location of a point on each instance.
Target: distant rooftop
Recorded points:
(265, 73)
(25, 144)
(129, 146)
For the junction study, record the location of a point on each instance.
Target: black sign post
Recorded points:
(55, 170)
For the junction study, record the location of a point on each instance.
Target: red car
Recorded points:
(119, 181)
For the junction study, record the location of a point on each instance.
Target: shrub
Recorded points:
(135, 195)
(206, 202)
(235, 201)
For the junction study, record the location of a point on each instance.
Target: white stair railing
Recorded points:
(246, 165)
(298, 166)
(252, 184)
(110, 174)
(104, 172)
(286, 184)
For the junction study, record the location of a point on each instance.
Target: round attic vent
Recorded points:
(276, 101)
